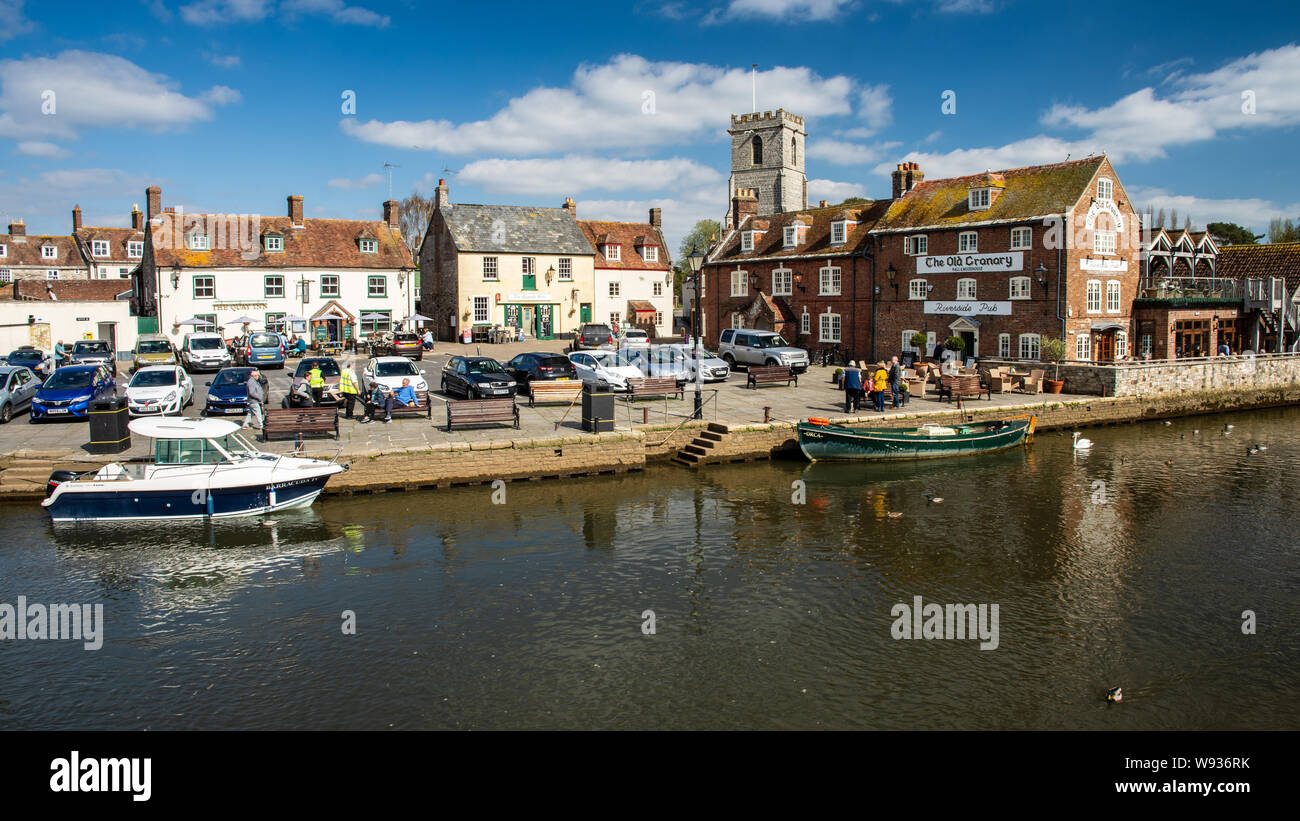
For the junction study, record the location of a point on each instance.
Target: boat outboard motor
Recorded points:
(57, 478)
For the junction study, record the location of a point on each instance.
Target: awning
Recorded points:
(1103, 327)
(640, 306)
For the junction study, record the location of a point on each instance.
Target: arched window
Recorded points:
(757, 148)
(794, 150)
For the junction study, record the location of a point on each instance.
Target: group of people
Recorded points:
(879, 380)
(312, 389)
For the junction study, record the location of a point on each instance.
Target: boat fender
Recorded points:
(817, 420)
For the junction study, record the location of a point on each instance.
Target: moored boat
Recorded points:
(201, 469)
(820, 440)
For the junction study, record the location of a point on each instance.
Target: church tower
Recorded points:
(767, 156)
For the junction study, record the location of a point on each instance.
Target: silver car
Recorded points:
(714, 368)
(18, 384)
(745, 346)
(656, 361)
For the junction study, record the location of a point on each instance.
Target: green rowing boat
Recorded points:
(820, 440)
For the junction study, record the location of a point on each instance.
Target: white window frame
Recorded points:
(650, 253)
(615, 289)
(565, 269)
(805, 321)
(274, 243)
(613, 252)
(52, 273)
(966, 288)
(1147, 344)
(333, 279)
(1030, 346)
(658, 290)
(918, 288)
(6, 275)
(95, 248)
(49, 252)
(1103, 242)
(830, 281)
(615, 318)
(381, 281)
(737, 319)
(273, 290)
(1114, 292)
(968, 242)
(480, 308)
(4, 251)
(978, 199)
(1121, 345)
(790, 237)
(1021, 288)
(1093, 305)
(528, 266)
(369, 246)
(491, 271)
(917, 245)
(782, 281)
(198, 242)
(210, 285)
(740, 283)
(1004, 346)
(907, 342)
(746, 241)
(1083, 347)
(839, 232)
(659, 319)
(1105, 189)
(135, 249)
(829, 327)
(1022, 239)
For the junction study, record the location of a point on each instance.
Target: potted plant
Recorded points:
(837, 377)
(1053, 350)
(918, 341)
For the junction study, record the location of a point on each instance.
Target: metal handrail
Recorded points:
(686, 418)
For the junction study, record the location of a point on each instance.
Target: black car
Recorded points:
(477, 377)
(593, 335)
(540, 365)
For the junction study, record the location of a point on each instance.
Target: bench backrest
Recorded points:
(556, 387)
(475, 407)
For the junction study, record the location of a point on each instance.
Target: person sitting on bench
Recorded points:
(380, 398)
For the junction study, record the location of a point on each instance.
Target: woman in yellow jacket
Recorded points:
(880, 384)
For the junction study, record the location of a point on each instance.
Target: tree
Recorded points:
(854, 201)
(1173, 220)
(1160, 219)
(413, 215)
(1233, 233)
(703, 236)
(1280, 230)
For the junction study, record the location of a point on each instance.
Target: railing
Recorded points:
(1194, 288)
(686, 417)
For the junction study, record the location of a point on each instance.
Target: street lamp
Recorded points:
(696, 260)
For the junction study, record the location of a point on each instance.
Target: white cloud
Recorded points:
(368, 181)
(833, 192)
(11, 12)
(680, 213)
(337, 11)
(225, 60)
(224, 12)
(210, 12)
(788, 10)
(839, 152)
(36, 148)
(575, 174)
(875, 107)
(94, 90)
(966, 6)
(628, 102)
(45, 199)
(1252, 212)
(1031, 151)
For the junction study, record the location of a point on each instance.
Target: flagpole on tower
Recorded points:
(753, 71)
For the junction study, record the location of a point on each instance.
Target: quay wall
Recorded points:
(1173, 376)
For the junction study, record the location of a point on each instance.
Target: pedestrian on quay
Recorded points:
(428, 339)
(880, 382)
(60, 354)
(256, 399)
(299, 394)
(852, 387)
(316, 381)
(381, 397)
(895, 378)
(348, 391)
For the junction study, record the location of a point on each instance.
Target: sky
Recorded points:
(231, 105)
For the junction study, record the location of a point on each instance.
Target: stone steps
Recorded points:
(702, 449)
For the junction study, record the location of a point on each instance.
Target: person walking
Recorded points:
(880, 382)
(60, 354)
(256, 399)
(895, 378)
(428, 339)
(852, 387)
(348, 391)
(316, 381)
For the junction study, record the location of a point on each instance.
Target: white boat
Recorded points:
(201, 469)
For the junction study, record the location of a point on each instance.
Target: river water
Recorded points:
(767, 613)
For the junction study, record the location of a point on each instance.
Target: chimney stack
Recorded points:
(743, 204)
(441, 198)
(570, 206)
(657, 217)
(295, 210)
(17, 229)
(153, 202)
(76, 218)
(822, 204)
(391, 213)
(137, 219)
(906, 177)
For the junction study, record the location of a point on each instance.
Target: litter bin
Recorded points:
(108, 426)
(597, 409)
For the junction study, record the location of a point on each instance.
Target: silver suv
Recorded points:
(748, 347)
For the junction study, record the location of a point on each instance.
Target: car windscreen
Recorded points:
(153, 379)
(769, 342)
(26, 356)
(406, 336)
(484, 366)
(231, 377)
(596, 329)
(264, 341)
(210, 343)
(328, 367)
(91, 347)
(156, 346)
(632, 358)
(403, 368)
(63, 379)
(553, 361)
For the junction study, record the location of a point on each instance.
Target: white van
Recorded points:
(204, 351)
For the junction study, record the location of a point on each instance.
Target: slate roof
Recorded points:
(1276, 260)
(29, 252)
(817, 239)
(627, 235)
(1031, 192)
(318, 243)
(515, 229)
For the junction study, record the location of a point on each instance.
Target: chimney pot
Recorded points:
(137, 219)
(153, 202)
(76, 218)
(17, 229)
(656, 217)
(295, 209)
(391, 213)
(441, 197)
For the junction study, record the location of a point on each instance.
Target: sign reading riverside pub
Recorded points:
(968, 307)
(970, 263)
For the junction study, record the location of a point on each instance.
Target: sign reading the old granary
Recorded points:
(970, 263)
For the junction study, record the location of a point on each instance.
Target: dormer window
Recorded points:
(273, 242)
(613, 252)
(135, 249)
(99, 248)
(791, 236)
(746, 241)
(839, 232)
(650, 253)
(1105, 189)
(978, 199)
(49, 252)
(369, 246)
(197, 242)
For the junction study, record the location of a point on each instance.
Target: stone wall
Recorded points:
(1225, 373)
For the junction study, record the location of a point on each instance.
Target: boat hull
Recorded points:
(99, 501)
(831, 442)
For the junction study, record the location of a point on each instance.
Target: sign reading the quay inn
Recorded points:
(968, 307)
(970, 263)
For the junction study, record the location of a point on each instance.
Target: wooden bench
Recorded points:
(654, 386)
(481, 412)
(962, 385)
(553, 391)
(770, 375)
(318, 419)
(423, 406)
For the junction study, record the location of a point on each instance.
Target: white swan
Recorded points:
(1081, 444)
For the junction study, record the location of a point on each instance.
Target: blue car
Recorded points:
(262, 348)
(227, 394)
(70, 390)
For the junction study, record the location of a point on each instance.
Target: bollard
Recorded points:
(767, 414)
(297, 441)
(645, 416)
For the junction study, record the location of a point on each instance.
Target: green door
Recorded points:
(586, 312)
(544, 325)
(146, 325)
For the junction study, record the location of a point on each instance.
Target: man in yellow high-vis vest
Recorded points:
(316, 381)
(348, 390)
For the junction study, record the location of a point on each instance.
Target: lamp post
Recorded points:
(696, 261)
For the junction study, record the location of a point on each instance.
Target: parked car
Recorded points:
(40, 362)
(159, 389)
(749, 347)
(329, 369)
(715, 368)
(92, 352)
(477, 377)
(656, 361)
(226, 392)
(152, 349)
(18, 384)
(70, 390)
(203, 351)
(261, 348)
(540, 365)
(593, 335)
(390, 371)
(603, 369)
(397, 343)
(632, 336)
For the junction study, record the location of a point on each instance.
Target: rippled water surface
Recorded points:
(769, 614)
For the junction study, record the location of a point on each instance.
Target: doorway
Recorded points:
(108, 333)
(1106, 347)
(529, 320)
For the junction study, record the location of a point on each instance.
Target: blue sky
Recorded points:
(230, 105)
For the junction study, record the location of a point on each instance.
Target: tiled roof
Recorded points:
(318, 243)
(515, 229)
(81, 290)
(1276, 260)
(817, 239)
(1035, 191)
(117, 239)
(29, 252)
(629, 235)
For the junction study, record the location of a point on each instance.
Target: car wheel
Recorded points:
(443, 388)
(731, 360)
(32, 418)
(771, 362)
(6, 412)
